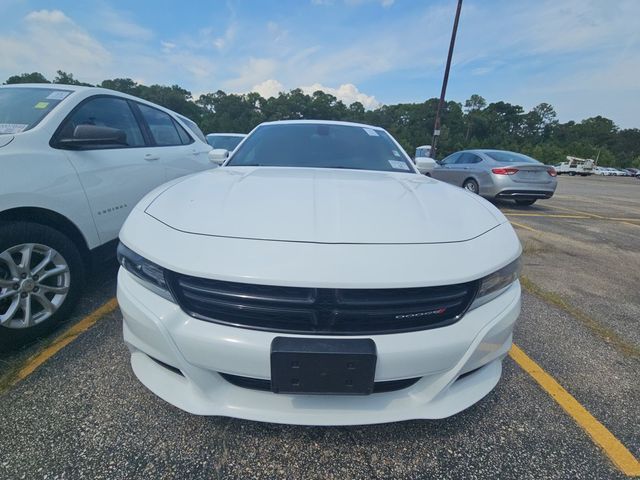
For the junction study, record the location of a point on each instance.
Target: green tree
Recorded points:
(34, 77)
(67, 79)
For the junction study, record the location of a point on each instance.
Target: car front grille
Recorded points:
(321, 311)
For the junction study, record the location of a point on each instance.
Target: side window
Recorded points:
(451, 159)
(105, 112)
(161, 125)
(465, 158)
(184, 136)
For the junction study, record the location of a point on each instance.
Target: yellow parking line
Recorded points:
(622, 219)
(64, 339)
(543, 215)
(527, 227)
(593, 215)
(622, 458)
(629, 223)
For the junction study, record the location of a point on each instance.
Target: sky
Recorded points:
(581, 56)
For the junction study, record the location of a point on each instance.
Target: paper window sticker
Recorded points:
(398, 164)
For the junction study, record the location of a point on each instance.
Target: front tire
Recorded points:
(525, 203)
(471, 185)
(41, 276)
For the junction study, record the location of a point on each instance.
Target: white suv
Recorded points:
(73, 163)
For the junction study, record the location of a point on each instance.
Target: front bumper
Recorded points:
(158, 332)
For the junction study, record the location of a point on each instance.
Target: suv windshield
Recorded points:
(228, 142)
(22, 108)
(321, 145)
(510, 157)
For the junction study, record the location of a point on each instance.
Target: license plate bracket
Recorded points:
(312, 366)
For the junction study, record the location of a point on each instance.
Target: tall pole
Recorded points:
(436, 126)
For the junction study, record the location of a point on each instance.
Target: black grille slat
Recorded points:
(321, 311)
(265, 385)
(350, 298)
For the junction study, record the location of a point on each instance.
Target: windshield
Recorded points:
(228, 142)
(510, 157)
(23, 108)
(320, 145)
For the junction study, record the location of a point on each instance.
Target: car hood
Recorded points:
(5, 140)
(323, 206)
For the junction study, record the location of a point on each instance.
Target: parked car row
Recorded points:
(617, 172)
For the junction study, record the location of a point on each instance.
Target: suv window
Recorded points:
(184, 136)
(105, 112)
(161, 125)
(193, 127)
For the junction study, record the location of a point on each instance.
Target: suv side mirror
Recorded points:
(218, 155)
(425, 165)
(94, 135)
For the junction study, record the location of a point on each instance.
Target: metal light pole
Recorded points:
(436, 126)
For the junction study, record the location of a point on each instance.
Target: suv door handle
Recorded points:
(151, 156)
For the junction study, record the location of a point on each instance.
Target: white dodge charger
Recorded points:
(318, 278)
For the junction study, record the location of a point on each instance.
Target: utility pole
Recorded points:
(436, 126)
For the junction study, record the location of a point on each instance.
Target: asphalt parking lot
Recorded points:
(82, 414)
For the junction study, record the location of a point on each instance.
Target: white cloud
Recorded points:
(47, 41)
(347, 92)
(47, 16)
(268, 88)
(228, 37)
(120, 25)
(253, 72)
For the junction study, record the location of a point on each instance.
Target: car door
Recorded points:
(442, 170)
(176, 150)
(466, 166)
(114, 178)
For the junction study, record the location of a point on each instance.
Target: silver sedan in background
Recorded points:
(498, 174)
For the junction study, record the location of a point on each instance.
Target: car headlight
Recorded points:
(493, 285)
(146, 272)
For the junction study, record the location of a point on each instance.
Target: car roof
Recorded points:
(81, 89)
(218, 134)
(491, 150)
(321, 122)
(53, 86)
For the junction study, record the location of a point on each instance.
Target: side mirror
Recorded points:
(94, 136)
(425, 165)
(218, 155)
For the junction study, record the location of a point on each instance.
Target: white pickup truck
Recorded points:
(427, 162)
(576, 166)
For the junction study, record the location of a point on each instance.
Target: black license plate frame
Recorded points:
(309, 366)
